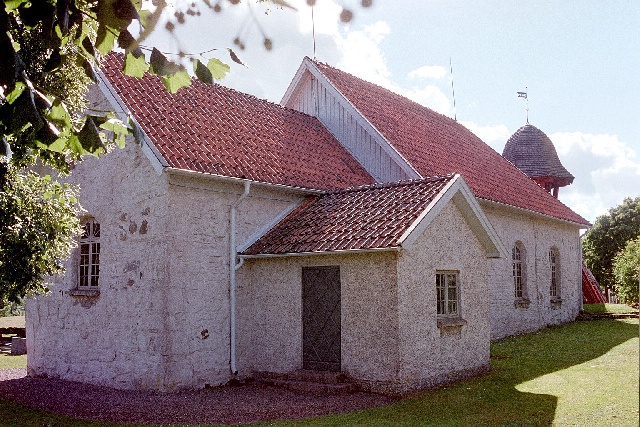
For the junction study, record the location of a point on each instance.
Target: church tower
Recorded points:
(531, 151)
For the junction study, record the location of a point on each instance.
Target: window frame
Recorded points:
(519, 274)
(447, 303)
(88, 270)
(554, 272)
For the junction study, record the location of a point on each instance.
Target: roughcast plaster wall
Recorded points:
(116, 338)
(271, 316)
(537, 236)
(432, 355)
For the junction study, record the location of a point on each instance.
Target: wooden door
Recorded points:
(321, 318)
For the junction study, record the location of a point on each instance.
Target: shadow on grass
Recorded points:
(493, 399)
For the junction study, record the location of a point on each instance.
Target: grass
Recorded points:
(8, 360)
(582, 373)
(609, 308)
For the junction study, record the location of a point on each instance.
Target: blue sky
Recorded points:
(578, 59)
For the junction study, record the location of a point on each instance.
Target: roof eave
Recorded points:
(124, 114)
(314, 253)
(234, 180)
(459, 192)
(535, 213)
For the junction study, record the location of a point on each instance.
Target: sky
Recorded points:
(578, 61)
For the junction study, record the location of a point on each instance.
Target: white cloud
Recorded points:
(361, 56)
(606, 171)
(435, 72)
(494, 135)
(360, 53)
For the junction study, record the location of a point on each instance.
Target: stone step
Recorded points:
(317, 382)
(326, 377)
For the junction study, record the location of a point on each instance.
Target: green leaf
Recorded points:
(161, 66)
(10, 5)
(16, 92)
(135, 67)
(218, 68)
(89, 137)
(73, 143)
(119, 129)
(106, 39)
(202, 73)
(59, 145)
(59, 115)
(173, 82)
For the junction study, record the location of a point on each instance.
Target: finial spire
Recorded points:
(526, 97)
(313, 32)
(453, 91)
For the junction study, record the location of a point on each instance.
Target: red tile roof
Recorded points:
(435, 145)
(213, 129)
(368, 217)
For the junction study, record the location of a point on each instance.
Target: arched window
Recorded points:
(518, 258)
(554, 265)
(89, 265)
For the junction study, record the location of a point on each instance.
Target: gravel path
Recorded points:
(225, 405)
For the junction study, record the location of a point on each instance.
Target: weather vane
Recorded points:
(524, 95)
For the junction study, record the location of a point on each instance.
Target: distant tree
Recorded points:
(608, 237)
(626, 266)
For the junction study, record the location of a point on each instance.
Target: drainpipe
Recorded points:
(233, 266)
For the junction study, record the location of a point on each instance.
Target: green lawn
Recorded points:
(6, 359)
(609, 308)
(580, 374)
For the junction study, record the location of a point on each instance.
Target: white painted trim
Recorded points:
(383, 143)
(338, 252)
(263, 230)
(533, 213)
(458, 191)
(148, 148)
(233, 180)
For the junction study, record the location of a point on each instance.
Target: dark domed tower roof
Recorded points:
(533, 153)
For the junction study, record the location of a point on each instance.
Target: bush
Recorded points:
(626, 267)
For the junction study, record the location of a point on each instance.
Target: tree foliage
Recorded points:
(39, 225)
(626, 266)
(608, 237)
(49, 51)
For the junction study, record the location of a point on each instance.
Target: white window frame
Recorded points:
(448, 305)
(518, 271)
(89, 256)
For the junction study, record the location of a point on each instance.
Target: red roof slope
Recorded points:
(435, 145)
(213, 129)
(368, 217)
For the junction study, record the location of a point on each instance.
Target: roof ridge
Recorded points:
(215, 85)
(399, 96)
(401, 183)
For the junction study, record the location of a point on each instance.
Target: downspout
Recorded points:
(233, 266)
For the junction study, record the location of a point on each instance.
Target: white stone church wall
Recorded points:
(432, 355)
(117, 338)
(537, 235)
(271, 338)
(198, 314)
